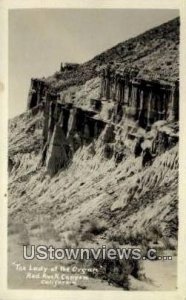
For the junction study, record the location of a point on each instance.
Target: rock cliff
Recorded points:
(99, 141)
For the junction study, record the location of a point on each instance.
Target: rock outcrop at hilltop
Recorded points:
(155, 53)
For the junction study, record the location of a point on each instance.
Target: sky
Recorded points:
(40, 39)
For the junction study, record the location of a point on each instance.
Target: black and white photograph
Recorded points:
(93, 149)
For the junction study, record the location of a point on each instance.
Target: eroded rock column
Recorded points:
(174, 102)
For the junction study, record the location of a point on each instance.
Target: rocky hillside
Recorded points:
(154, 52)
(85, 176)
(96, 185)
(104, 196)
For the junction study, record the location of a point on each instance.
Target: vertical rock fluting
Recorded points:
(66, 128)
(107, 83)
(57, 155)
(174, 102)
(59, 151)
(36, 92)
(147, 101)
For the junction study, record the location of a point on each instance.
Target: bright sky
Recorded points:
(40, 39)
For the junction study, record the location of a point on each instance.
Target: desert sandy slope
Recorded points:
(92, 202)
(106, 194)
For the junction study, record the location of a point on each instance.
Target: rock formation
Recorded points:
(68, 67)
(146, 101)
(137, 100)
(110, 144)
(36, 92)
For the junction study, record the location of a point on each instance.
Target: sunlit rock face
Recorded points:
(142, 100)
(134, 100)
(65, 127)
(100, 142)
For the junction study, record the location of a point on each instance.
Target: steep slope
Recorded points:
(93, 202)
(78, 177)
(154, 52)
(92, 187)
